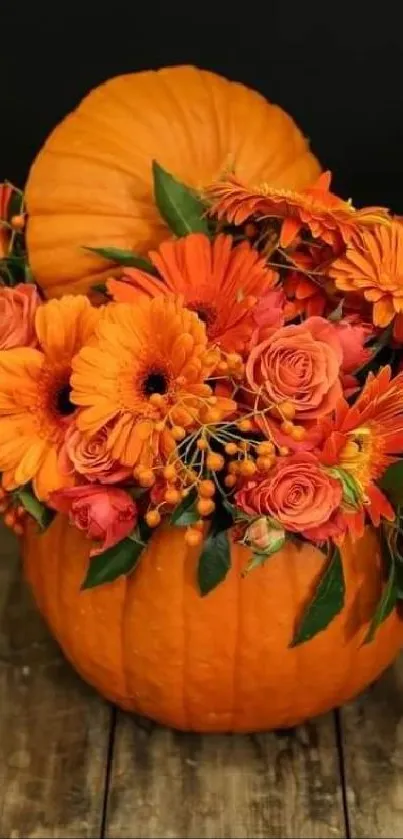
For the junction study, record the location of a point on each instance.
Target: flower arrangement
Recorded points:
(241, 382)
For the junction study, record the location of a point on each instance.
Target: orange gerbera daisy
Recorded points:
(219, 282)
(364, 439)
(327, 216)
(146, 371)
(35, 408)
(373, 267)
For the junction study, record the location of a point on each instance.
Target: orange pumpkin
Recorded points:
(91, 183)
(151, 644)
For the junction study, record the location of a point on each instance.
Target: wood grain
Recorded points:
(168, 784)
(372, 737)
(54, 730)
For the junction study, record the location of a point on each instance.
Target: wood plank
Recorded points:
(372, 737)
(168, 784)
(54, 730)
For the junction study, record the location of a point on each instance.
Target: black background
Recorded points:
(337, 69)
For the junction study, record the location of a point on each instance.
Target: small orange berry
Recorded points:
(10, 518)
(146, 478)
(202, 444)
(169, 472)
(265, 448)
(212, 400)
(247, 467)
(283, 451)
(159, 426)
(193, 537)
(21, 511)
(18, 529)
(250, 301)
(287, 427)
(287, 410)
(230, 481)
(245, 425)
(233, 467)
(234, 360)
(172, 496)
(206, 489)
(4, 505)
(264, 463)
(18, 222)
(153, 518)
(298, 433)
(157, 400)
(222, 366)
(205, 506)
(211, 358)
(215, 462)
(212, 415)
(231, 448)
(178, 433)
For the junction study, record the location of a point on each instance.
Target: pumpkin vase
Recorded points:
(91, 184)
(221, 663)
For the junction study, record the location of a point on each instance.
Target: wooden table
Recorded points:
(73, 766)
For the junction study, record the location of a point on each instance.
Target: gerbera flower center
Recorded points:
(206, 312)
(155, 382)
(63, 405)
(357, 455)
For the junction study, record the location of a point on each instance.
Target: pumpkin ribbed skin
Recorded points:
(151, 644)
(91, 183)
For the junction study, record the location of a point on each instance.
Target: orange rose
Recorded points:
(91, 458)
(298, 364)
(297, 493)
(17, 316)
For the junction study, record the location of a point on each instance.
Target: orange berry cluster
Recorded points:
(13, 515)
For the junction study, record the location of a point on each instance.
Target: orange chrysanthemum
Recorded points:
(146, 370)
(373, 267)
(220, 283)
(365, 438)
(35, 408)
(326, 216)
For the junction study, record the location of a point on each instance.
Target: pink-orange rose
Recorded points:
(89, 457)
(298, 493)
(17, 316)
(298, 364)
(106, 514)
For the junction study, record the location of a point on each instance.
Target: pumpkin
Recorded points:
(150, 643)
(91, 184)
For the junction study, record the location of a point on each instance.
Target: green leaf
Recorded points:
(224, 514)
(337, 313)
(389, 595)
(180, 206)
(352, 493)
(214, 561)
(327, 601)
(120, 559)
(392, 483)
(185, 513)
(42, 514)
(128, 258)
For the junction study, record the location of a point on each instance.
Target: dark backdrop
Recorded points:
(340, 77)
